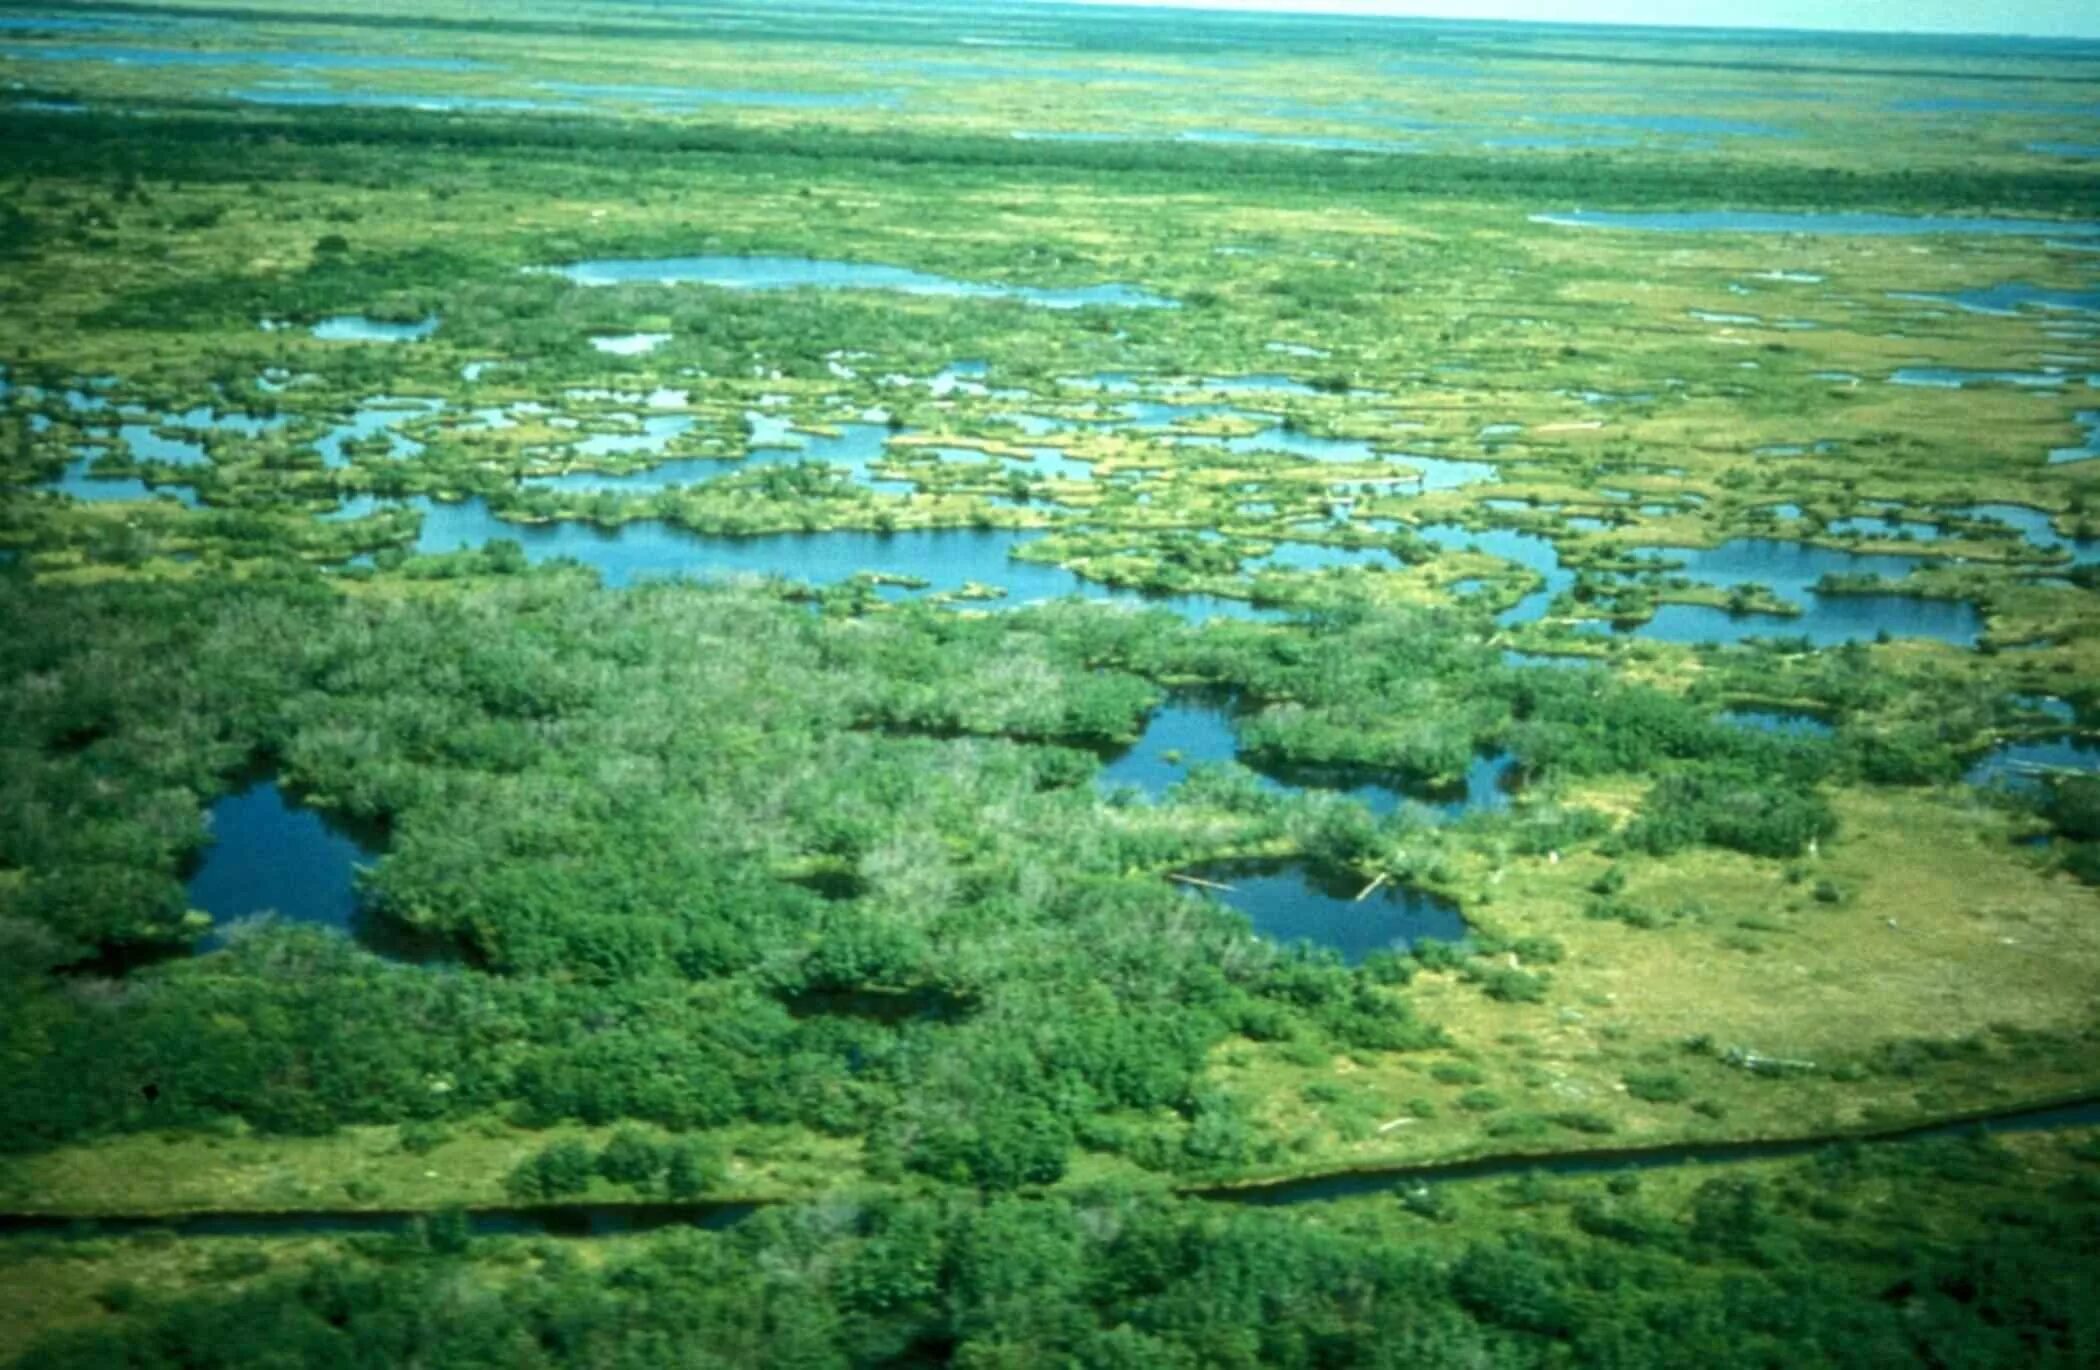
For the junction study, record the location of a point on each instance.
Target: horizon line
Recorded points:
(1345, 9)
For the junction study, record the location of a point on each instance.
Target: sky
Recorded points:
(2046, 18)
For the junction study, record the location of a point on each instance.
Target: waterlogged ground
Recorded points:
(1442, 405)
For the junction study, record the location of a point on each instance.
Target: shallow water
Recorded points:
(1290, 903)
(380, 414)
(788, 273)
(2089, 449)
(1958, 378)
(630, 344)
(2020, 765)
(77, 483)
(2008, 298)
(2036, 526)
(1783, 722)
(358, 328)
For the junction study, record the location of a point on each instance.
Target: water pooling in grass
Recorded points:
(789, 273)
(1290, 902)
(1959, 378)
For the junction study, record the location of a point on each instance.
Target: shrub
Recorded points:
(556, 1170)
(630, 1158)
(1657, 1086)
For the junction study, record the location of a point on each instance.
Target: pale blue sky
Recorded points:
(2051, 18)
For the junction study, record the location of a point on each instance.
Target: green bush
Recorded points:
(1657, 1086)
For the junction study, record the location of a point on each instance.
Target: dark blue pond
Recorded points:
(1761, 221)
(270, 855)
(1289, 903)
(789, 273)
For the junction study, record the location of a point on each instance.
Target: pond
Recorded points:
(1958, 378)
(1532, 551)
(358, 328)
(2037, 526)
(947, 559)
(2008, 298)
(2021, 765)
(1291, 902)
(269, 854)
(789, 273)
(1194, 730)
(630, 344)
(1696, 125)
(377, 415)
(2063, 456)
(80, 483)
(1830, 621)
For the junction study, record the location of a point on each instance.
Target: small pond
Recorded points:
(788, 273)
(271, 855)
(2009, 298)
(1959, 378)
(358, 328)
(2021, 765)
(1290, 902)
(1189, 731)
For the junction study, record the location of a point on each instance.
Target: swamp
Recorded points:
(864, 683)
